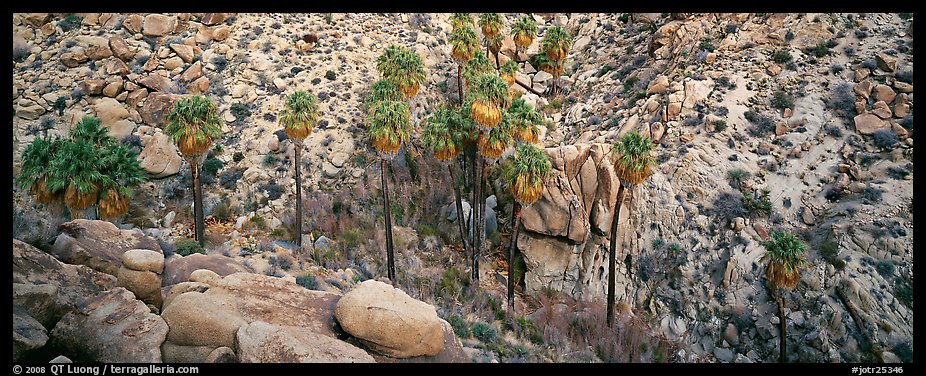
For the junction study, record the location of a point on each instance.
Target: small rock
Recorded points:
(222, 355)
(884, 93)
(738, 224)
(321, 244)
(723, 355)
(156, 25)
(185, 52)
(773, 69)
(658, 85)
(867, 124)
(60, 359)
(886, 62)
(881, 109)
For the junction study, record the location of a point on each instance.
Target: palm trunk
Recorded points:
(783, 328)
(459, 203)
(198, 203)
(497, 65)
(515, 220)
(298, 195)
(390, 261)
(460, 82)
(612, 253)
(477, 228)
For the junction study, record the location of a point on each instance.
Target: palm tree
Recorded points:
(403, 68)
(785, 256)
(477, 65)
(465, 44)
(36, 169)
(298, 119)
(523, 31)
(556, 44)
(526, 173)
(460, 19)
(382, 90)
(193, 126)
(486, 102)
(444, 134)
(76, 165)
(508, 72)
(121, 170)
(389, 125)
(524, 122)
(491, 25)
(632, 163)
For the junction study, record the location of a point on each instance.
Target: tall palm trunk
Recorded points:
(298, 156)
(390, 260)
(460, 82)
(477, 223)
(612, 253)
(515, 221)
(783, 328)
(198, 202)
(459, 203)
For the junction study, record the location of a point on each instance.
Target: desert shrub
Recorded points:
(238, 156)
(719, 125)
(830, 251)
(728, 206)
(872, 194)
(757, 203)
(836, 68)
(186, 247)
(21, 53)
(885, 139)
(211, 166)
(907, 121)
(224, 210)
(285, 261)
(761, 125)
(885, 268)
(270, 159)
(833, 130)
(230, 177)
(330, 75)
(308, 281)
(782, 56)
(736, 177)
(484, 332)
(460, 326)
(782, 100)
(273, 190)
(820, 50)
(731, 28)
(241, 111)
(70, 22)
(351, 239)
(903, 291)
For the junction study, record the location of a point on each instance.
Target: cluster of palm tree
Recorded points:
(87, 169)
(389, 119)
(556, 44)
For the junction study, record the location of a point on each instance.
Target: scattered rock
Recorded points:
(157, 82)
(886, 62)
(185, 52)
(390, 322)
(157, 25)
(120, 48)
(179, 269)
(157, 106)
(867, 124)
(658, 85)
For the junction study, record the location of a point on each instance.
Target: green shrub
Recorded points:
(527, 329)
(238, 156)
(211, 166)
(224, 210)
(351, 239)
(719, 125)
(270, 159)
(424, 230)
(782, 56)
(484, 332)
(782, 100)
(279, 232)
(757, 204)
(330, 75)
(70, 22)
(259, 222)
(60, 104)
(186, 247)
(308, 281)
(240, 110)
(460, 326)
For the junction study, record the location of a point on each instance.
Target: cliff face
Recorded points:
(816, 108)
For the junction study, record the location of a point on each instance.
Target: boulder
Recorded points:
(93, 87)
(884, 93)
(260, 342)
(98, 52)
(222, 355)
(185, 52)
(187, 354)
(159, 83)
(73, 58)
(198, 319)
(179, 269)
(658, 85)
(120, 48)
(160, 157)
(174, 291)
(886, 62)
(452, 351)
(48, 289)
(98, 244)
(143, 260)
(29, 110)
(37, 20)
(113, 115)
(211, 19)
(115, 66)
(193, 72)
(156, 25)
(145, 285)
(157, 106)
(867, 124)
(28, 334)
(388, 321)
(206, 276)
(111, 327)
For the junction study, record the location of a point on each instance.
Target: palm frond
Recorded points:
(464, 43)
(633, 163)
(299, 115)
(526, 172)
(388, 126)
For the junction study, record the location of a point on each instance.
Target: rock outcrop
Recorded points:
(98, 244)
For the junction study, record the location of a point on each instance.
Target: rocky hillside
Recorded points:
(763, 122)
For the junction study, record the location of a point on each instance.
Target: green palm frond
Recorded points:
(464, 42)
(526, 172)
(300, 112)
(490, 88)
(460, 19)
(478, 65)
(785, 255)
(556, 38)
(491, 24)
(634, 161)
(444, 132)
(524, 26)
(389, 125)
(36, 161)
(524, 119)
(510, 67)
(121, 169)
(401, 66)
(89, 129)
(195, 116)
(382, 90)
